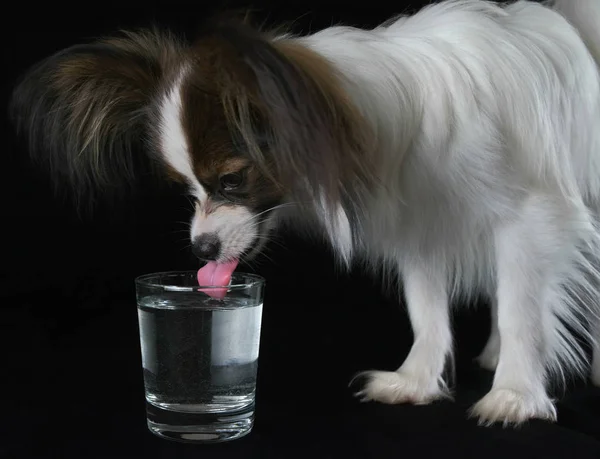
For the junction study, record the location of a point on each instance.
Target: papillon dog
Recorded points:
(456, 149)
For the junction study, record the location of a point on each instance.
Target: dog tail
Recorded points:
(584, 15)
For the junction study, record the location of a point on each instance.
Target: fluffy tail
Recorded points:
(584, 15)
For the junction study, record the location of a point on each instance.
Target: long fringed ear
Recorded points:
(315, 139)
(83, 110)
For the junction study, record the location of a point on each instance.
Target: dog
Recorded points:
(458, 147)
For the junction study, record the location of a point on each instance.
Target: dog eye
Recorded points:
(232, 181)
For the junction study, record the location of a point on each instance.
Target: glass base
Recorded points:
(217, 404)
(183, 426)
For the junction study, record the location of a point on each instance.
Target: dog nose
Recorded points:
(206, 246)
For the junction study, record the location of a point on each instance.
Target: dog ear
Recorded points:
(84, 109)
(298, 109)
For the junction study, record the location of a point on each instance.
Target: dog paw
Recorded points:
(511, 407)
(488, 359)
(394, 387)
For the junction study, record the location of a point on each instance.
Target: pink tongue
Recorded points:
(216, 275)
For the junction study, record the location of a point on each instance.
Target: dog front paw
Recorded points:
(395, 387)
(511, 407)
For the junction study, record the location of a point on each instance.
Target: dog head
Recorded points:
(245, 120)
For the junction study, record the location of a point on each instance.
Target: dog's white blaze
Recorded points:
(174, 145)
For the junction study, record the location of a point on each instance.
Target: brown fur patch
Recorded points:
(215, 147)
(350, 132)
(329, 84)
(288, 106)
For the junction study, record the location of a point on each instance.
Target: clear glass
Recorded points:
(199, 355)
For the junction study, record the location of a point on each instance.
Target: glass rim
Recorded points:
(145, 280)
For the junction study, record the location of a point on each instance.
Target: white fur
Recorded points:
(236, 227)
(488, 123)
(338, 229)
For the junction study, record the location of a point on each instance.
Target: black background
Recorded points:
(70, 375)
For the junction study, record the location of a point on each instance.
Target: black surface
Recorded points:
(70, 374)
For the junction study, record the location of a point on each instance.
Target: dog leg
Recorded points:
(488, 359)
(419, 379)
(529, 252)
